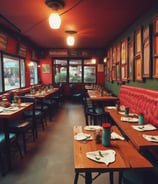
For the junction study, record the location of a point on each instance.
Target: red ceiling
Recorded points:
(97, 22)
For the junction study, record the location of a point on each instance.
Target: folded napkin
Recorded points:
(152, 138)
(102, 156)
(130, 114)
(92, 128)
(115, 136)
(111, 107)
(129, 119)
(83, 136)
(146, 127)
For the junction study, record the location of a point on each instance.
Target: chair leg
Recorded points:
(19, 149)
(24, 142)
(2, 165)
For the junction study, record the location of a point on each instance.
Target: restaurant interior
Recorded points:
(79, 91)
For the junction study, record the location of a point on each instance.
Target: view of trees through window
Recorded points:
(11, 69)
(74, 71)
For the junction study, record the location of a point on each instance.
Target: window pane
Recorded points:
(22, 67)
(89, 62)
(0, 74)
(60, 70)
(75, 62)
(89, 74)
(33, 73)
(75, 74)
(60, 73)
(11, 72)
(60, 62)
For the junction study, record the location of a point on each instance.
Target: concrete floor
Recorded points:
(50, 158)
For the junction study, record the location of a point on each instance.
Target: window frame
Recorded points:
(68, 64)
(18, 59)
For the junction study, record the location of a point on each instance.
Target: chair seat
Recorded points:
(30, 113)
(39, 107)
(12, 136)
(20, 125)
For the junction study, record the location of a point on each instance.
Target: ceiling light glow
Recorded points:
(54, 21)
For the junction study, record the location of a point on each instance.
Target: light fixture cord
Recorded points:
(34, 25)
(71, 7)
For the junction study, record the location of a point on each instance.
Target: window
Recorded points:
(11, 72)
(0, 74)
(22, 69)
(14, 72)
(74, 71)
(60, 71)
(89, 71)
(33, 73)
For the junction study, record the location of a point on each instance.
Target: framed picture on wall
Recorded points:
(45, 68)
(131, 59)
(118, 72)
(124, 51)
(124, 73)
(155, 46)
(138, 69)
(138, 42)
(146, 52)
(3, 41)
(114, 55)
(118, 55)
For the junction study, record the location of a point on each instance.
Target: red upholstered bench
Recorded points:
(141, 100)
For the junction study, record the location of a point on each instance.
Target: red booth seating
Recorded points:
(141, 100)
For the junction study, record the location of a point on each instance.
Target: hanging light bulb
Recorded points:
(70, 40)
(54, 21)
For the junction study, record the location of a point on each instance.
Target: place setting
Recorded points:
(102, 156)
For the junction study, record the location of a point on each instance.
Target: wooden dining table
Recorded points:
(94, 95)
(41, 96)
(135, 136)
(127, 157)
(5, 116)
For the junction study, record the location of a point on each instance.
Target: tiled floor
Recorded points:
(50, 159)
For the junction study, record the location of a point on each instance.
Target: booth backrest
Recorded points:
(141, 100)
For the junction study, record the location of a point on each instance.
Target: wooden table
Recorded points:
(135, 136)
(43, 95)
(5, 117)
(130, 159)
(94, 95)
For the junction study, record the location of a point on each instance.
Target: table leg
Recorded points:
(88, 178)
(111, 178)
(76, 178)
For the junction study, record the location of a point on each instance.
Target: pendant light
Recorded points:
(54, 21)
(70, 40)
(54, 18)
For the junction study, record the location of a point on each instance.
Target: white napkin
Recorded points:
(82, 136)
(146, 127)
(152, 138)
(115, 136)
(92, 128)
(130, 114)
(111, 107)
(129, 119)
(103, 156)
